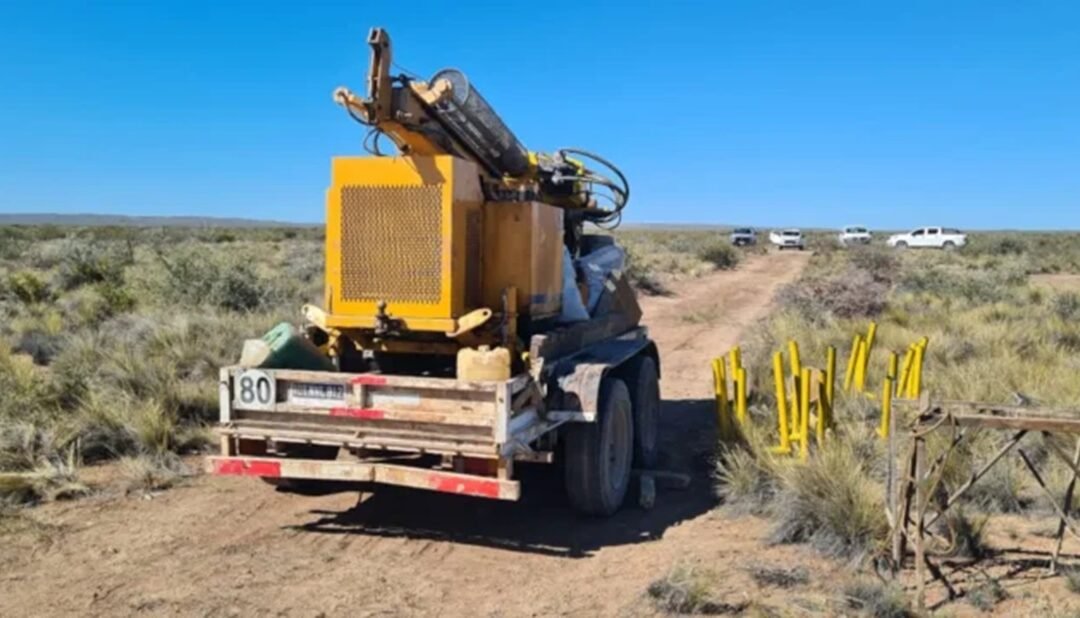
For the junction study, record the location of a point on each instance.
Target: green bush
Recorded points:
(28, 288)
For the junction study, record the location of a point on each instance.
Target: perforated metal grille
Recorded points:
(391, 243)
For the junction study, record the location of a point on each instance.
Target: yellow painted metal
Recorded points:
(740, 395)
(830, 380)
(720, 388)
(796, 370)
(804, 414)
(523, 248)
(781, 405)
(905, 372)
(893, 365)
(849, 372)
(734, 362)
(871, 336)
(916, 375)
(860, 367)
(403, 230)
(886, 408)
(823, 411)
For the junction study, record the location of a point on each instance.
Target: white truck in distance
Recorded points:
(929, 238)
(855, 235)
(788, 239)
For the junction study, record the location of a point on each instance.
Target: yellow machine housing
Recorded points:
(414, 232)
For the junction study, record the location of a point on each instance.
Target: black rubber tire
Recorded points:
(949, 246)
(643, 382)
(595, 481)
(901, 245)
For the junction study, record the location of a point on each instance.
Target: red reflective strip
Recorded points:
(365, 413)
(469, 487)
(369, 380)
(242, 467)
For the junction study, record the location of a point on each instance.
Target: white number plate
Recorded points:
(315, 394)
(254, 390)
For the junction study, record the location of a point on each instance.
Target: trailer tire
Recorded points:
(599, 454)
(644, 385)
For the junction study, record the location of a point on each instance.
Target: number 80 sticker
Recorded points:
(254, 390)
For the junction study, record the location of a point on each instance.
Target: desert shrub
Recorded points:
(851, 294)
(719, 253)
(745, 482)
(1067, 306)
(779, 576)
(28, 288)
(88, 263)
(49, 481)
(832, 503)
(153, 472)
(881, 264)
(981, 287)
(1072, 579)
(987, 595)
(687, 590)
(877, 599)
(196, 278)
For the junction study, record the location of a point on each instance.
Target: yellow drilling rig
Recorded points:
(469, 320)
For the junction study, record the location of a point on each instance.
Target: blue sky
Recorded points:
(891, 114)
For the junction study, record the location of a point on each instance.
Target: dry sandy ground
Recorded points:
(223, 546)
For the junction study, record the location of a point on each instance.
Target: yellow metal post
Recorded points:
(894, 362)
(822, 410)
(886, 408)
(849, 372)
(781, 404)
(804, 414)
(916, 375)
(860, 368)
(871, 335)
(720, 387)
(794, 407)
(830, 382)
(905, 372)
(734, 362)
(796, 370)
(740, 395)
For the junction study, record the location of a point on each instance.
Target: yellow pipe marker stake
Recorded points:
(909, 387)
(720, 386)
(740, 395)
(849, 372)
(860, 368)
(804, 414)
(886, 408)
(830, 383)
(734, 361)
(781, 404)
(905, 373)
(822, 409)
(894, 362)
(796, 371)
(871, 337)
(793, 407)
(916, 378)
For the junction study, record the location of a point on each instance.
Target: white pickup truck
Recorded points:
(788, 239)
(929, 238)
(855, 235)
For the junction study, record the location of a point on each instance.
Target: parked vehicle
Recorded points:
(743, 237)
(929, 238)
(855, 235)
(788, 239)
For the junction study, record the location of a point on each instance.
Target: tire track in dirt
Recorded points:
(224, 546)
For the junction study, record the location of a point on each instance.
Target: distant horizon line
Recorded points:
(90, 219)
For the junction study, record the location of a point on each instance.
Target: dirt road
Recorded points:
(234, 547)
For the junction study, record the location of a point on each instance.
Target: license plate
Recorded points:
(303, 392)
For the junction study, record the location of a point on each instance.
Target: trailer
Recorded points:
(593, 398)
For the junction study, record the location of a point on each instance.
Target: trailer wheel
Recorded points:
(644, 386)
(599, 454)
